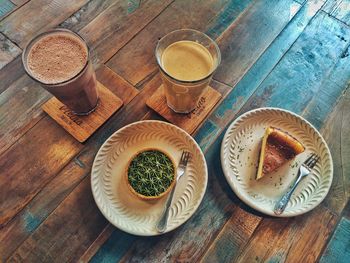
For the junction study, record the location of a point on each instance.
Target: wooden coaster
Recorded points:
(189, 122)
(82, 127)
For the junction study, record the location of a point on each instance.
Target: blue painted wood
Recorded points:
(207, 133)
(114, 248)
(255, 76)
(340, 9)
(338, 81)
(6, 6)
(229, 13)
(299, 75)
(338, 249)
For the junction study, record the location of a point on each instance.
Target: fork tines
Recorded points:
(185, 157)
(312, 160)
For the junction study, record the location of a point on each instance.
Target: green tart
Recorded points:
(150, 174)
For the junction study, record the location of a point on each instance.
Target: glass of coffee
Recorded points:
(59, 60)
(187, 60)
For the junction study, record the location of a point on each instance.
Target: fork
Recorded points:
(162, 224)
(304, 170)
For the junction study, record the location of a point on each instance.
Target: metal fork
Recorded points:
(162, 224)
(304, 170)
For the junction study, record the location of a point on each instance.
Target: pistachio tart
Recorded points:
(150, 174)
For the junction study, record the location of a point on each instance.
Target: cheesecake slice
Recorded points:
(277, 148)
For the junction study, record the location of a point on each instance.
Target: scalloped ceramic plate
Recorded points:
(109, 186)
(240, 150)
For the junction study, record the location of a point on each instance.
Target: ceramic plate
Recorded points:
(109, 186)
(240, 156)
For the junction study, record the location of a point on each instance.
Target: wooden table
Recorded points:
(281, 53)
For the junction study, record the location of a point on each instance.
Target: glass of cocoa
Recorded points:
(59, 60)
(187, 59)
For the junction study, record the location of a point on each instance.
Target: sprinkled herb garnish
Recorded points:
(151, 173)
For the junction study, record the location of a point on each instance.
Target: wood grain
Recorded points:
(114, 27)
(86, 14)
(26, 97)
(336, 132)
(290, 240)
(82, 127)
(340, 9)
(28, 166)
(189, 122)
(35, 17)
(243, 51)
(338, 249)
(6, 6)
(8, 51)
(73, 226)
(10, 73)
(303, 68)
(232, 237)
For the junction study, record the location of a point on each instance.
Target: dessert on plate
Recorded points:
(277, 148)
(150, 174)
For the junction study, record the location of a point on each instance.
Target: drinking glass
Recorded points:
(182, 96)
(79, 93)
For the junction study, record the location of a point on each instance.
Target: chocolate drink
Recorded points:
(59, 60)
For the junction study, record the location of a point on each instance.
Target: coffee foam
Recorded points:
(57, 57)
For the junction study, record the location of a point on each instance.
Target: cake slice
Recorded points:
(277, 148)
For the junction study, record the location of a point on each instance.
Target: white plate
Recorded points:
(240, 150)
(109, 187)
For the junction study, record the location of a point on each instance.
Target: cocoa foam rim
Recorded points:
(52, 31)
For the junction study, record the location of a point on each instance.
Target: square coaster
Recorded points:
(82, 127)
(189, 122)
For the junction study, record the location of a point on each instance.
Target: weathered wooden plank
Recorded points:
(27, 221)
(19, 2)
(10, 73)
(338, 249)
(86, 14)
(35, 17)
(336, 132)
(302, 70)
(105, 234)
(321, 105)
(25, 173)
(116, 246)
(6, 6)
(26, 97)
(115, 27)
(181, 14)
(20, 227)
(8, 51)
(36, 211)
(243, 51)
(71, 227)
(290, 240)
(340, 9)
(232, 237)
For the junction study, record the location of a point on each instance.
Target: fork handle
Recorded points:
(162, 224)
(282, 203)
